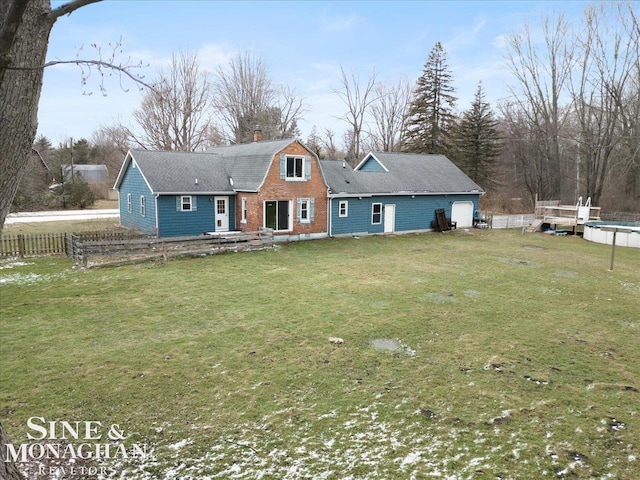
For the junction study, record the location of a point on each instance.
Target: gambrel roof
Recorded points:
(398, 173)
(249, 162)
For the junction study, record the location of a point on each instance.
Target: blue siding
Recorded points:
(133, 183)
(371, 165)
(175, 223)
(411, 213)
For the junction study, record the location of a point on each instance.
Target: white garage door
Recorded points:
(462, 214)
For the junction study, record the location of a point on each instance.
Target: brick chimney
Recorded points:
(257, 135)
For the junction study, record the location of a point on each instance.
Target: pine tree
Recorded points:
(430, 115)
(477, 140)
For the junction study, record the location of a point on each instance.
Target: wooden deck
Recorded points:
(556, 215)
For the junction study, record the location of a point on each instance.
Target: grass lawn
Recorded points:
(515, 357)
(62, 226)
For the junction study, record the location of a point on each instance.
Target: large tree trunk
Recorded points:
(19, 96)
(8, 470)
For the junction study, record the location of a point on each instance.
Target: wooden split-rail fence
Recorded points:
(107, 248)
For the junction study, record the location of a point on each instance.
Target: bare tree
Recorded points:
(109, 147)
(629, 106)
(542, 76)
(177, 114)
(608, 59)
(243, 93)
(25, 26)
(247, 99)
(388, 115)
(329, 144)
(291, 108)
(358, 98)
(524, 150)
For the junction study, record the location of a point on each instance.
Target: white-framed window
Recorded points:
(306, 209)
(129, 203)
(186, 203)
(243, 210)
(376, 213)
(143, 206)
(295, 167)
(343, 208)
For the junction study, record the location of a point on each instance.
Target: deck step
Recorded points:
(535, 226)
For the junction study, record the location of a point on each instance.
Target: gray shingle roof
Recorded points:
(176, 172)
(90, 173)
(249, 162)
(407, 173)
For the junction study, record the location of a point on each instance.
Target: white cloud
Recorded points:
(500, 41)
(213, 56)
(340, 23)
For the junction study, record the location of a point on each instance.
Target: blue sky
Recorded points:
(303, 42)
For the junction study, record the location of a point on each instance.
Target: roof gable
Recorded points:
(371, 164)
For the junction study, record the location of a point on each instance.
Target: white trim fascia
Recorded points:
(122, 170)
(127, 160)
(370, 154)
(197, 193)
(398, 194)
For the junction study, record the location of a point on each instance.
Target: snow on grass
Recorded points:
(12, 263)
(361, 447)
(20, 278)
(29, 278)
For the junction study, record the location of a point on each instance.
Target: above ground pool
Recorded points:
(627, 233)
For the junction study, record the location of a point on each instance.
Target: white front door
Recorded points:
(222, 213)
(389, 218)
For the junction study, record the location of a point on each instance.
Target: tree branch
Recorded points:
(68, 8)
(95, 63)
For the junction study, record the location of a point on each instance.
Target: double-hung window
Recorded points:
(143, 206)
(305, 210)
(243, 210)
(376, 213)
(186, 203)
(129, 203)
(343, 208)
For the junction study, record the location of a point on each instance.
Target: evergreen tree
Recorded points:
(77, 192)
(477, 141)
(430, 115)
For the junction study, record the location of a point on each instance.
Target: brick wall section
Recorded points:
(275, 188)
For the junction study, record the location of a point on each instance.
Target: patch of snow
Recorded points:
(178, 445)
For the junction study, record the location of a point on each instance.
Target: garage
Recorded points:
(462, 214)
